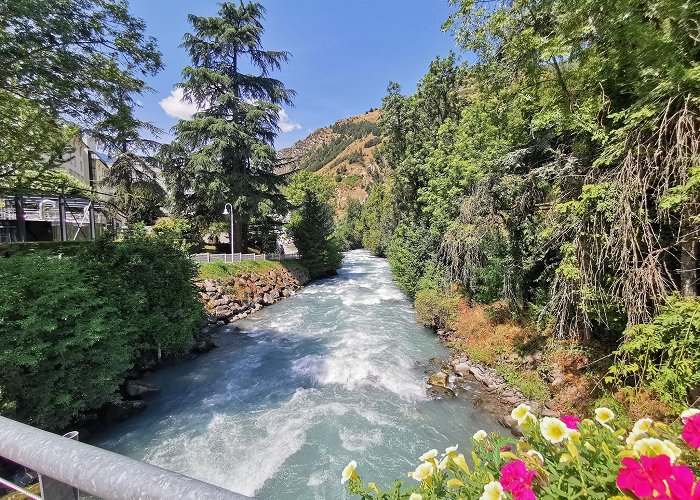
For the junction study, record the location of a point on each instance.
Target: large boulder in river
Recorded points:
(438, 379)
(121, 410)
(135, 388)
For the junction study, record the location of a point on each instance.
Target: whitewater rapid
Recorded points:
(336, 373)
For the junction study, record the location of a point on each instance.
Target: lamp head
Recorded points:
(225, 211)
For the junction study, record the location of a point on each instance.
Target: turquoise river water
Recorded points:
(337, 372)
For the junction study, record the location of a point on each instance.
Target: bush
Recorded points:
(528, 381)
(213, 270)
(558, 459)
(664, 355)
(73, 325)
(435, 309)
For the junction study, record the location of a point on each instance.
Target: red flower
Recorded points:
(691, 431)
(682, 483)
(517, 479)
(645, 478)
(570, 421)
(505, 448)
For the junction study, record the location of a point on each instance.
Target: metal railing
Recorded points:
(67, 466)
(239, 257)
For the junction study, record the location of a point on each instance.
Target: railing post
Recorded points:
(91, 210)
(52, 489)
(208, 257)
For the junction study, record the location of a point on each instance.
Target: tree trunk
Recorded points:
(689, 264)
(238, 240)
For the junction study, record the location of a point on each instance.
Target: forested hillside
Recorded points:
(343, 152)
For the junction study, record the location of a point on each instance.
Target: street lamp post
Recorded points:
(228, 210)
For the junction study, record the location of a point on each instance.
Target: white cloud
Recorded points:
(177, 106)
(285, 123)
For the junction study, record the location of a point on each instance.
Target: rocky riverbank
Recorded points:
(230, 299)
(498, 397)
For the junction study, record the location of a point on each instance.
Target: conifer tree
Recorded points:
(229, 142)
(312, 230)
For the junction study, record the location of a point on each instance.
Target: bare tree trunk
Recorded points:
(689, 265)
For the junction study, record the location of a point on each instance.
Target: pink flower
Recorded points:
(517, 479)
(505, 448)
(570, 421)
(645, 478)
(691, 431)
(682, 483)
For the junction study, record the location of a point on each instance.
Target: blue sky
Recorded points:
(345, 52)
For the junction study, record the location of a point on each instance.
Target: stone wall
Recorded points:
(229, 299)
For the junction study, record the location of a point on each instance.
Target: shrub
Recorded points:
(662, 356)
(528, 381)
(73, 325)
(558, 459)
(213, 270)
(435, 309)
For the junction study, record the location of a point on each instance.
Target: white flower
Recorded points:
(553, 430)
(415, 496)
(642, 425)
(690, 412)
(442, 464)
(604, 415)
(493, 491)
(480, 435)
(634, 436)
(520, 412)
(451, 451)
(348, 472)
(652, 447)
(428, 455)
(535, 453)
(423, 471)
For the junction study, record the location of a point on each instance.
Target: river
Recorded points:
(335, 373)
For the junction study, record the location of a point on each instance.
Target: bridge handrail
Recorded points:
(99, 472)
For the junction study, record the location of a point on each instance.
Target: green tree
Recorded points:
(64, 60)
(349, 227)
(134, 173)
(311, 228)
(229, 143)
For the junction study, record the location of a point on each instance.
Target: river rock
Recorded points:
(121, 410)
(438, 379)
(462, 369)
(439, 392)
(139, 388)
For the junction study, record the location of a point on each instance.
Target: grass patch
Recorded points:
(528, 381)
(213, 270)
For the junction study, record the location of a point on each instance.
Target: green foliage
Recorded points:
(311, 227)
(213, 270)
(435, 309)
(225, 153)
(304, 181)
(410, 254)
(529, 382)
(46, 51)
(348, 229)
(73, 324)
(663, 355)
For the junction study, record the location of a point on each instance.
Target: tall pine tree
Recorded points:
(229, 149)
